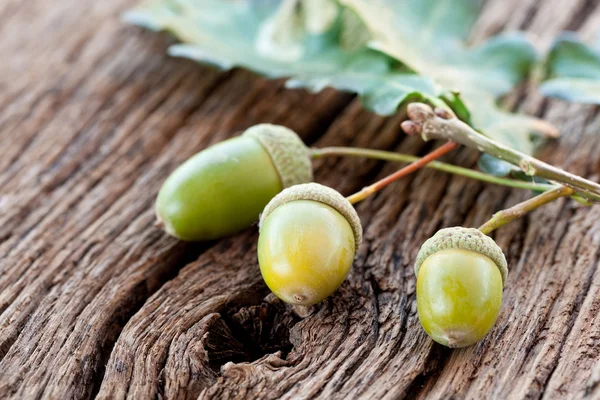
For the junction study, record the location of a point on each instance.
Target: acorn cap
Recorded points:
(466, 239)
(322, 194)
(287, 151)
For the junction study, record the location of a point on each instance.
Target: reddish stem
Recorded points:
(409, 169)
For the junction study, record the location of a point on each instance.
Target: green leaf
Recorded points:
(374, 48)
(236, 34)
(573, 69)
(316, 43)
(494, 166)
(381, 93)
(429, 37)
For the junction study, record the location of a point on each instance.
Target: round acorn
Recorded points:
(460, 276)
(308, 237)
(222, 189)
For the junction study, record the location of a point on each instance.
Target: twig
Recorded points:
(421, 162)
(510, 214)
(437, 165)
(425, 121)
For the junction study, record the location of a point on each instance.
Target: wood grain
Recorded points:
(97, 302)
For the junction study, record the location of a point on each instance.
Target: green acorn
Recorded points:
(222, 189)
(308, 237)
(460, 276)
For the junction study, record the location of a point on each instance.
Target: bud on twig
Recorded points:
(411, 128)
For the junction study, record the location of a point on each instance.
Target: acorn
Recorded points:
(308, 237)
(222, 189)
(460, 276)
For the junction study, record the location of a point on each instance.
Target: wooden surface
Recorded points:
(97, 302)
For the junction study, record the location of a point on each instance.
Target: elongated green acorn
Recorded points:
(308, 237)
(460, 277)
(222, 189)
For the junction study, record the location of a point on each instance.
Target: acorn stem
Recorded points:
(423, 119)
(437, 165)
(409, 169)
(503, 217)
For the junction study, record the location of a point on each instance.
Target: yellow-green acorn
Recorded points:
(222, 189)
(460, 276)
(308, 237)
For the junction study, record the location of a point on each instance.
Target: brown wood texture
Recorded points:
(97, 302)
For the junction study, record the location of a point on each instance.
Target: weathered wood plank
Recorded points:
(95, 300)
(80, 253)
